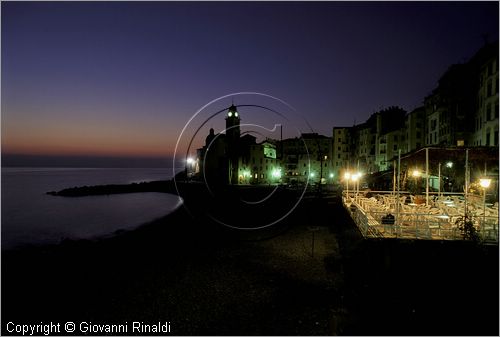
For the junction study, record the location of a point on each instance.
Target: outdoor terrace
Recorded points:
(414, 218)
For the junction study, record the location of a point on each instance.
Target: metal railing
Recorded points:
(436, 223)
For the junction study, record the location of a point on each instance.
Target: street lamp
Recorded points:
(347, 176)
(246, 176)
(449, 165)
(189, 166)
(359, 174)
(485, 183)
(416, 173)
(355, 179)
(276, 173)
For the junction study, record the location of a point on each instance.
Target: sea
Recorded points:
(31, 217)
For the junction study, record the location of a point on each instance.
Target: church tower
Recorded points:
(233, 140)
(233, 123)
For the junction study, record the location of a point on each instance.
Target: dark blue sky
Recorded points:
(122, 78)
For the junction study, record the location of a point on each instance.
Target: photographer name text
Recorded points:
(52, 328)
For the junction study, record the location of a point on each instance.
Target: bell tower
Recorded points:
(233, 140)
(233, 124)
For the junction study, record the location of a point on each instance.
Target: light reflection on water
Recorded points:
(29, 216)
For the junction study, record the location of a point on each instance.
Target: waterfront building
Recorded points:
(341, 151)
(450, 108)
(319, 149)
(293, 158)
(365, 138)
(307, 159)
(415, 130)
(390, 136)
(462, 111)
(258, 163)
(389, 144)
(485, 132)
(230, 158)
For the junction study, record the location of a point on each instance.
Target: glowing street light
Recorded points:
(355, 178)
(416, 174)
(276, 173)
(331, 175)
(347, 176)
(246, 175)
(449, 164)
(189, 167)
(485, 183)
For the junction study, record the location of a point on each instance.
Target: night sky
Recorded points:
(122, 78)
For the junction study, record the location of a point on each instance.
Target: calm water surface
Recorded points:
(30, 216)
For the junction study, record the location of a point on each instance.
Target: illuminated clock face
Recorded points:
(235, 114)
(230, 114)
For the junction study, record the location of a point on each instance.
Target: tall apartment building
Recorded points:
(365, 136)
(341, 150)
(415, 130)
(450, 108)
(369, 147)
(485, 125)
(463, 109)
(390, 136)
(432, 123)
(389, 145)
